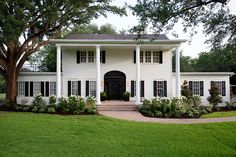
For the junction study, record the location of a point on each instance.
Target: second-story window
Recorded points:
(148, 56)
(155, 57)
(90, 56)
(83, 56)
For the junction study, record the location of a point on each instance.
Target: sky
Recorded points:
(192, 48)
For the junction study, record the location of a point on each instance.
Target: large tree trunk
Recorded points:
(11, 78)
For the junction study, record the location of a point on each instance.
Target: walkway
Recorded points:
(136, 116)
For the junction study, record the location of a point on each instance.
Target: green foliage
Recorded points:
(73, 104)
(161, 16)
(185, 91)
(126, 96)
(103, 96)
(51, 110)
(2, 84)
(214, 97)
(52, 101)
(90, 105)
(63, 105)
(172, 108)
(38, 103)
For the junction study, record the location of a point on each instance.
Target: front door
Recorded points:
(114, 85)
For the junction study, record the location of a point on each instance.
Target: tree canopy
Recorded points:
(161, 15)
(27, 25)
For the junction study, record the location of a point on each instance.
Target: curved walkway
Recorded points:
(136, 116)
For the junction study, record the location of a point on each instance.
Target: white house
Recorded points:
(88, 64)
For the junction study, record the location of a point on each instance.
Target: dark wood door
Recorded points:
(115, 85)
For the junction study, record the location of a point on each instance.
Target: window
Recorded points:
(91, 56)
(141, 56)
(221, 86)
(74, 87)
(52, 88)
(148, 57)
(92, 88)
(83, 56)
(21, 88)
(36, 88)
(160, 88)
(196, 87)
(155, 57)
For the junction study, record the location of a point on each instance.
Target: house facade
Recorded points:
(88, 64)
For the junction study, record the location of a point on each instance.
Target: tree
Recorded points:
(186, 63)
(45, 58)
(214, 97)
(25, 26)
(162, 15)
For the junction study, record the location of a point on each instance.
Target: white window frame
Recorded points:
(92, 88)
(160, 88)
(21, 88)
(36, 87)
(52, 88)
(156, 58)
(91, 56)
(196, 87)
(219, 85)
(83, 57)
(148, 59)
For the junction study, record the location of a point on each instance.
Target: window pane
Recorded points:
(148, 57)
(90, 56)
(74, 87)
(36, 88)
(160, 88)
(83, 56)
(219, 85)
(196, 87)
(155, 57)
(141, 56)
(92, 88)
(21, 88)
(52, 88)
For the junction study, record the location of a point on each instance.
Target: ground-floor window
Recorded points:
(91, 88)
(74, 88)
(196, 87)
(221, 86)
(30, 88)
(160, 88)
(133, 88)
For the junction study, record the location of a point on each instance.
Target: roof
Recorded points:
(117, 37)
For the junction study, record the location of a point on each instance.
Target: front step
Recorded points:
(117, 106)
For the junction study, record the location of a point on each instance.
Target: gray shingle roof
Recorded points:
(117, 37)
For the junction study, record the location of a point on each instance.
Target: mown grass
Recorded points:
(220, 114)
(42, 135)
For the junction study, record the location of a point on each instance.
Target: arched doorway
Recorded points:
(114, 84)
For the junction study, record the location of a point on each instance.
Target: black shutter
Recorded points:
(31, 88)
(223, 88)
(132, 88)
(42, 88)
(103, 57)
(160, 57)
(78, 56)
(165, 88)
(154, 88)
(134, 56)
(190, 85)
(201, 88)
(69, 88)
(87, 88)
(47, 88)
(142, 89)
(79, 88)
(212, 82)
(26, 88)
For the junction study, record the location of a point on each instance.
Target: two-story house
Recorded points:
(88, 64)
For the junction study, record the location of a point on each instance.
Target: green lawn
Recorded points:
(220, 114)
(44, 135)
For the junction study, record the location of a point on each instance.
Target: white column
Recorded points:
(137, 75)
(58, 71)
(177, 72)
(98, 77)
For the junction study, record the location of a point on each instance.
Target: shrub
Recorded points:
(52, 101)
(51, 110)
(90, 105)
(81, 105)
(63, 105)
(126, 96)
(173, 108)
(214, 97)
(103, 96)
(73, 104)
(230, 105)
(38, 103)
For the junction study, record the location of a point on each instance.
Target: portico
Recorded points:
(164, 45)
